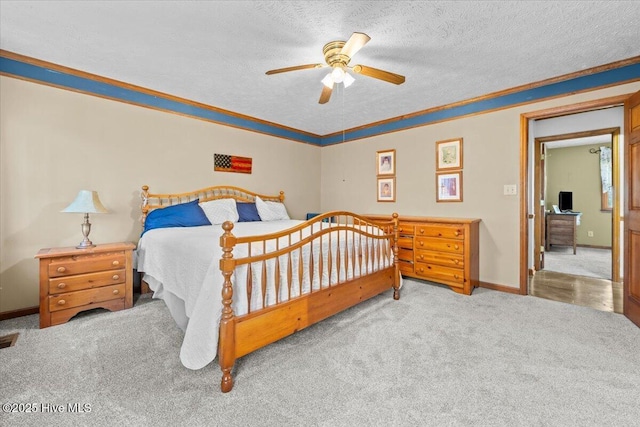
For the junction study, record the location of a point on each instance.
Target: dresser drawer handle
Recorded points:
(62, 302)
(455, 276)
(62, 285)
(456, 261)
(457, 233)
(115, 263)
(400, 229)
(421, 270)
(421, 256)
(422, 231)
(421, 243)
(456, 246)
(61, 269)
(116, 292)
(115, 277)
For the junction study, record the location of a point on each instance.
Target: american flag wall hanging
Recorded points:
(226, 163)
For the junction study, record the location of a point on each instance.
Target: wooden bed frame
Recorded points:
(241, 335)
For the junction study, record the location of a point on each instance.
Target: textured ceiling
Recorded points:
(217, 52)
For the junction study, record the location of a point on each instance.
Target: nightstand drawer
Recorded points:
(86, 297)
(86, 281)
(86, 264)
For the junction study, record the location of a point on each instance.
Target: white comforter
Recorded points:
(181, 266)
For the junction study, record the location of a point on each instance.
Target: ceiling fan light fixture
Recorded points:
(337, 74)
(328, 81)
(348, 80)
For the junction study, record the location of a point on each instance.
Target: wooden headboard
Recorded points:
(151, 201)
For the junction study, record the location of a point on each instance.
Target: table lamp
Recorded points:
(86, 202)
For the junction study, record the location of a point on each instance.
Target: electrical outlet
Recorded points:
(589, 233)
(510, 190)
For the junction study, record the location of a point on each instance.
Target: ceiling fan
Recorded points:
(337, 55)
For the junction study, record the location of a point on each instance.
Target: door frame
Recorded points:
(538, 217)
(526, 177)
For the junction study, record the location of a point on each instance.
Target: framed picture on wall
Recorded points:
(386, 162)
(386, 189)
(449, 154)
(449, 186)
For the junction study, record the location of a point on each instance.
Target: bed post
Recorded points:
(281, 197)
(227, 345)
(144, 207)
(396, 265)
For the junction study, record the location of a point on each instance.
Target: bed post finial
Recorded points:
(226, 347)
(281, 197)
(396, 265)
(144, 207)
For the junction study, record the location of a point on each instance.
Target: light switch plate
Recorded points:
(510, 190)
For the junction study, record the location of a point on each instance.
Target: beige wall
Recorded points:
(575, 169)
(491, 160)
(55, 142)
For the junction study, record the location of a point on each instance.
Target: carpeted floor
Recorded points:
(432, 358)
(590, 262)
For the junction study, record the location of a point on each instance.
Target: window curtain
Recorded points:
(605, 169)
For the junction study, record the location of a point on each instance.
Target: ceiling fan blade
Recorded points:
(379, 74)
(326, 94)
(297, 67)
(354, 44)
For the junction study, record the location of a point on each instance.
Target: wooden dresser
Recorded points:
(561, 229)
(441, 250)
(74, 280)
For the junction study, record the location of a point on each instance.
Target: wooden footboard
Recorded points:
(364, 251)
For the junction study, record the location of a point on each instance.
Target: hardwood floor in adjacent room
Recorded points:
(600, 294)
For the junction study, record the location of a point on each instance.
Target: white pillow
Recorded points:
(271, 211)
(220, 210)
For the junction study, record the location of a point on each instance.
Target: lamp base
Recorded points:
(85, 245)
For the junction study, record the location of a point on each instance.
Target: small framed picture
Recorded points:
(386, 189)
(386, 162)
(449, 154)
(449, 187)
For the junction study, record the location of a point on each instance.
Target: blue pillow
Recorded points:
(248, 212)
(181, 215)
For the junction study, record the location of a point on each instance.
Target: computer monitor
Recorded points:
(565, 201)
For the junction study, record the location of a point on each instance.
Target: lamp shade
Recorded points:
(86, 202)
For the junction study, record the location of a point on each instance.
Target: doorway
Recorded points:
(533, 201)
(585, 165)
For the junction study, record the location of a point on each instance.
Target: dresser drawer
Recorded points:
(86, 264)
(89, 296)
(405, 255)
(404, 228)
(438, 273)
(86, 281)
(440, 230)
(405, 242)
(406, 267)
(448, 259)
(435, 244)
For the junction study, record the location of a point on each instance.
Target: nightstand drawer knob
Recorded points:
(62, 302)
(115, 263)
(61, 269)
(62, 285)
(115, 277)
(401, 229)
(116, 292)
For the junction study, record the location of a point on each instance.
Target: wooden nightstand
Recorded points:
(74, 280)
